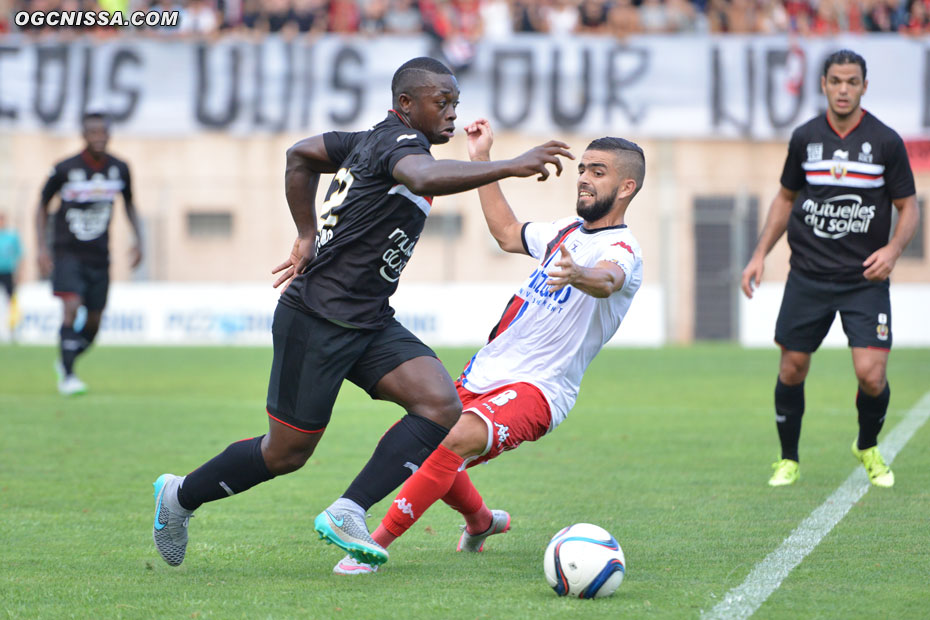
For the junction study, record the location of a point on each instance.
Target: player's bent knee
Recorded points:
(469, 437)
(279, 463)
(872, 383)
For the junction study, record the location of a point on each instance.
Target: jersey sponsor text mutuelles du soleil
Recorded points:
(87, 189)
(548, 339)
(369, 225)
(845, 187)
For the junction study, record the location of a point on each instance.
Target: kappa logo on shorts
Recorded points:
(503, 433)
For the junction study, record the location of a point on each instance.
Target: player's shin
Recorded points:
(430, 482)
(789, 409)
(399, 453)
(465, 498)
(238, 468)
(872, 410)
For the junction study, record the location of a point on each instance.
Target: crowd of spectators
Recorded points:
(458, 24)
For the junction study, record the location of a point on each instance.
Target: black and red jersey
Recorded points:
(87, 188)
(845, 187)
(369, 225)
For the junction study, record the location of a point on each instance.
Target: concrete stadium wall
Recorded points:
(244, 176)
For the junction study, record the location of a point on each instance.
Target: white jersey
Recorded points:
(548, 339)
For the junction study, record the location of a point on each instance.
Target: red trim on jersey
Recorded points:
(401, 118)
(852, 129)
(858, 175)
(294, 427)
(96, 164)
(507, 318)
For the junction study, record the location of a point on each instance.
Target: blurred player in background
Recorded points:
(525, 380)
(79, 260)
(11, 251)
(333, 321)
(844, 171)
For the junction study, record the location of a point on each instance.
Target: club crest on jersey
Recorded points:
(838, 172)
(815, 151)
(865, 153)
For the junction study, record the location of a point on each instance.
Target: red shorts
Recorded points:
(514, 413)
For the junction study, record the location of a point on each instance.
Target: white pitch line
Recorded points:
(743, 600)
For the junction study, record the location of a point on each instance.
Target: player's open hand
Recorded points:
(880, 264)
(752, 275)
(565, 273)
(480, 138)
(301, 255)
(535, 160)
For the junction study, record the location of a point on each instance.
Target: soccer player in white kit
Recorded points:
(525, 380)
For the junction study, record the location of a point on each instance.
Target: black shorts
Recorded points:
(6, 281)
(312, 356)
(72, 276)
(809, 307)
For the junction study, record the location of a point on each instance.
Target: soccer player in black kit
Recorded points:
(844, 171)
(79, 261)
(333, 320)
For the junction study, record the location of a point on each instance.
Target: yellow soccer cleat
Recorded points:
(879, 474)
(786, 472)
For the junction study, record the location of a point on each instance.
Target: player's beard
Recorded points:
(597, 210)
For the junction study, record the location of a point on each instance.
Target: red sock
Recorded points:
(430, 482)
(464, 497)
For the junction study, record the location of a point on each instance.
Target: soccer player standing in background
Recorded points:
(333, 321)
(11, 251)
(844, 171)
(79, 260)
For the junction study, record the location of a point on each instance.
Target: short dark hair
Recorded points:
(629, 154)
(410, 74)
(843, 57)
(94, 115)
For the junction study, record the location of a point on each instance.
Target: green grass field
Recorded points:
(668, 449)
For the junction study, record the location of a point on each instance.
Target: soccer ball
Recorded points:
(584, 560)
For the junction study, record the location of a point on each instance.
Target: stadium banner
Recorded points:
(700, 87)
(909, 325)
(163, 313)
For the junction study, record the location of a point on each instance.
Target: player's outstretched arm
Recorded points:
(776, 223)
(601, 280)
(426, 176)
(503, 224)
(881, 262)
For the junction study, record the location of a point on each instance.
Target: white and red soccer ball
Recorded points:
(584, 561)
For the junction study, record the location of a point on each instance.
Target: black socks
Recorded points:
(237, 468)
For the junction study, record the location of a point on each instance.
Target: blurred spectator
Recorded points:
(682, 16)
(497, 19)
(653, 16)
(344, 16)
(592, 16)
(772, 17)
(741, 16)
(403, 17)
(561, 17)
(198, 18)
(917, 21)
(528, 16)
(309, 16)
(371, 18)
(623, 19)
